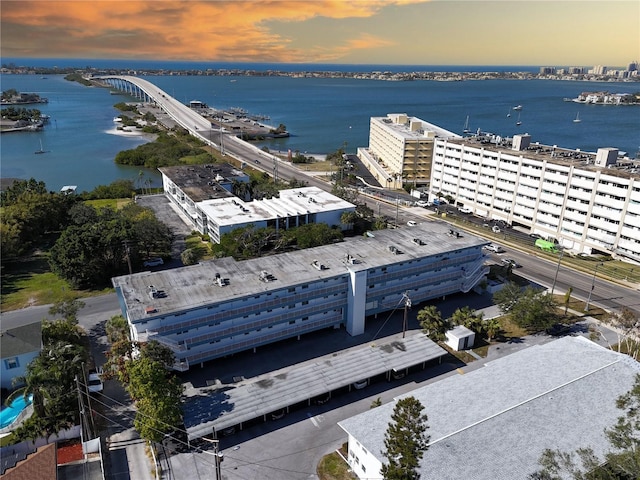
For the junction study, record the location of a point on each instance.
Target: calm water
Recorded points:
(321, 114)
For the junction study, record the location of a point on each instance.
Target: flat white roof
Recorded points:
(292, 202)
(404, 130)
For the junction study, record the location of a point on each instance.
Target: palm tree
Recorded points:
(469, 318)
(432, 323)
(492, 327)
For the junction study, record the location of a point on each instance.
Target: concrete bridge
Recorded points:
(146, 91)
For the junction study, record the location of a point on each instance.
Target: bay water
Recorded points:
(322, 115)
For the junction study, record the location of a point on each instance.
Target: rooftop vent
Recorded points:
(221, 282)
(318, 266)
(393, 249)
(266, 276)
(351, 259)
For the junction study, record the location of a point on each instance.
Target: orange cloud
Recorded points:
(179, 30)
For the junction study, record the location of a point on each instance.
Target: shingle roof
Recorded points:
(20, 340)
(493, 423)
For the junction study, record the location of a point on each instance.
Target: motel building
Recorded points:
(204, 194)
(223, 306)
(587, 202)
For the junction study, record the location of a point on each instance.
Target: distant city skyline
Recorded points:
(392, 32)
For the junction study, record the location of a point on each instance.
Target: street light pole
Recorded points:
(593, 284)
(555, 278)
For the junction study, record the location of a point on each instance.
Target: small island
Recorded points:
(13, 97)
(606, 98)
(19, 119)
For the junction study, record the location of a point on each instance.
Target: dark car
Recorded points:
(510, 262)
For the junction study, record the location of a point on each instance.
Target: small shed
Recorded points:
(460, 338)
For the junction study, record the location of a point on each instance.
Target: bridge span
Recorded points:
(146, 91)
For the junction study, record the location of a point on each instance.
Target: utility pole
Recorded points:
(593, 284)
(407, 306)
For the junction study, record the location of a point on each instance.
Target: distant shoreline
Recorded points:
(384, 75)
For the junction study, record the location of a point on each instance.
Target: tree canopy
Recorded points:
(432, 323)
(405, 440)
(90, 253)
(530, 308)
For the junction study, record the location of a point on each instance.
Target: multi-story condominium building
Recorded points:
(203, 195)
(400, 149)
(588, 202)
(224, 306)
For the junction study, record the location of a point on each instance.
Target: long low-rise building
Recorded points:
(494, 423)
(213, 198)
(224, 306)
(588, 202)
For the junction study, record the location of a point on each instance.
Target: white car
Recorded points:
(94, 382)
(422, 203)
(411, 223)
(359, 385)
(465, 210)
(154, 262)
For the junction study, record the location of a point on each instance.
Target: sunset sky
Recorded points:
(411, 32)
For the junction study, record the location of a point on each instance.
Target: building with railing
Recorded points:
(587, 202)
(213, 198)
(224, 306)
(400, 149)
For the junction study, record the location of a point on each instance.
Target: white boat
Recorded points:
(466, 126)
(577, 119)
(117, 119)
(42, 150)
(508, 113)
(518, 107)
(518, 122)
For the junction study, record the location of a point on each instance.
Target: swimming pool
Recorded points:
(10, 413)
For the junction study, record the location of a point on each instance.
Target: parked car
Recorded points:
(279, 414)
(495, 229)
(322, 399)
(94, 382)
(465, 210)
(153, 262)
(360, 384)
(422, 203)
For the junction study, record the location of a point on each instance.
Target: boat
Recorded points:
(577, 119)
(42, 150)
(518, 122)
(508, 113)
(518, 107)
(466, 126)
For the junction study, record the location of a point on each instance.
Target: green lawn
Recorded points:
(333, 467)
(30, 282)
